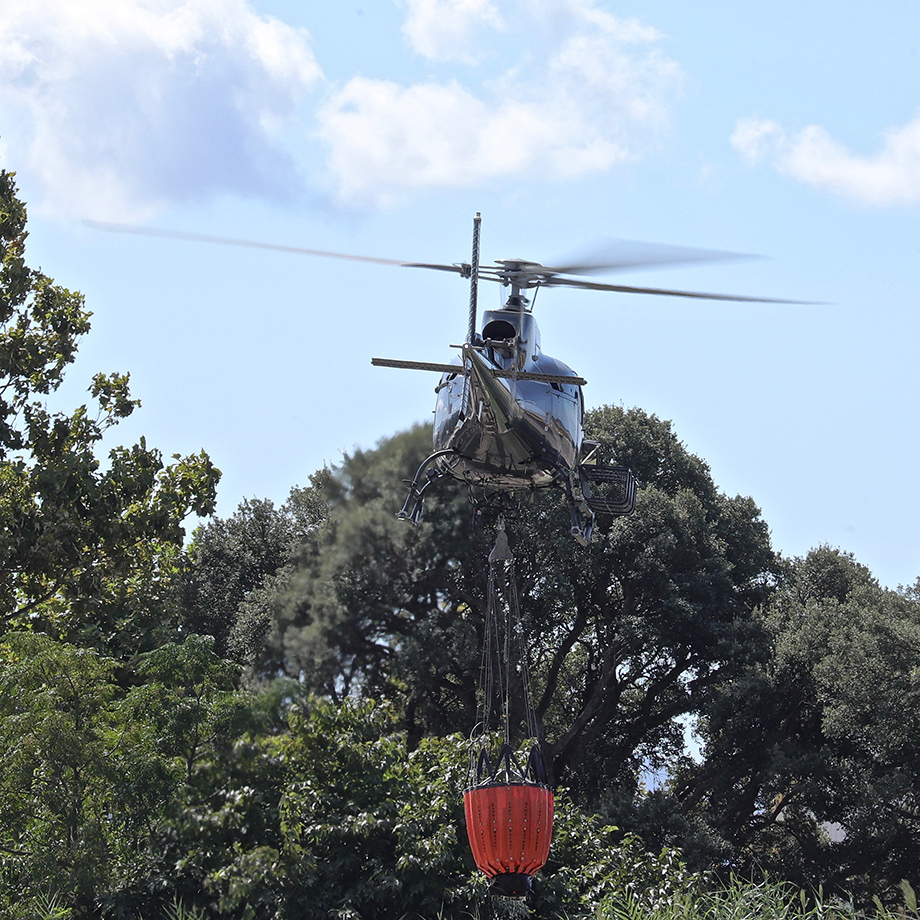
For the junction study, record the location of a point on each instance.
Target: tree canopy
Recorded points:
(625, 636)
(80, 538)
(810, 768)
(793, 672)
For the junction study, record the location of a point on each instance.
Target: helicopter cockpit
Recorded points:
(511, 338)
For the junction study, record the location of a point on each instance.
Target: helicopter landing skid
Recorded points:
(411, 511)
(613, 493)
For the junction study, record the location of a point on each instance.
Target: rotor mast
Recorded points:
(474, 280)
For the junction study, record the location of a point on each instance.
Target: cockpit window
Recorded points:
(499, 329)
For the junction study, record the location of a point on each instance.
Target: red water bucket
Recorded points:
(510, 827)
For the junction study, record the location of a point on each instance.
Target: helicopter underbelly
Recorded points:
(504, 434)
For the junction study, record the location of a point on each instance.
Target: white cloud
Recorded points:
(385, 139)
(117, 108)
(593, 98)
(889, 177)
(448, 29)
(124, 105)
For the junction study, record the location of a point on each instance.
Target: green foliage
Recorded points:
(370, 829)
(625, 636)
(188, 695)
(213, 740)
(764, 899)
(41, 907)
(114, 799)
(636, 630)
(184, 796)
(818, 741)
(374, 829)
(77, 541)
(236, 566)
(370, 586)
(325, 813)
(592, 864)
(80, 784)
(53, 745)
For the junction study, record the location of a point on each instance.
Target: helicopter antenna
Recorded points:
(474, 279)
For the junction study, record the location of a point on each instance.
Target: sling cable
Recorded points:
(509, 807)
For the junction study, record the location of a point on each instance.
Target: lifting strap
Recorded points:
(504, 684)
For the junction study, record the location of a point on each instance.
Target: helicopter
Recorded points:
(509, 419)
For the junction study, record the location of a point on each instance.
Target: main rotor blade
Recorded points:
(460, 269)
(625, 289)
(619, 255)
(667, 254)
(252, 244)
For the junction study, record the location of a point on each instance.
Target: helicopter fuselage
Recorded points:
(506, 433)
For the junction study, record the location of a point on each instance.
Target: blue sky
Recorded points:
(788, 130)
